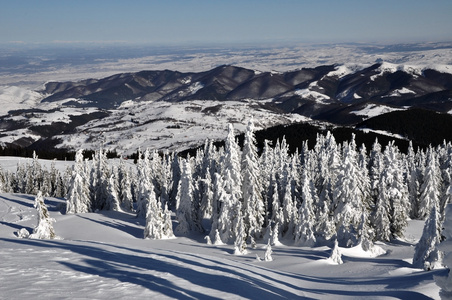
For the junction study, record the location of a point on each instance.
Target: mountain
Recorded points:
(178, 110)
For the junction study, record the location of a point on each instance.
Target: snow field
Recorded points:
(102, 256)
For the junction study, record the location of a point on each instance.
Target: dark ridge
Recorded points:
(296, 134)
(423, 127)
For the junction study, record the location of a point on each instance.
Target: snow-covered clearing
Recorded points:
(104, 256)
(373, 110)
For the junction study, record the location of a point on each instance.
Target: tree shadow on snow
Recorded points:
(121, 226)
(137, 269)
(248, 280)
(20, 202)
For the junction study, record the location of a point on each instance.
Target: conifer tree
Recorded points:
(144, 182)
(335, 255)
(252, 190)
(431, 185)
(349, 197)
(78, 197)
(426, 253)
(155, 218)
(44, 228)
(186, 213)
(125, 196)
(305, 233)
(239, 232)
(268, 252)
(100, 179)
(112, 202)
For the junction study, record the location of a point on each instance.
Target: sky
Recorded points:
(174, 22)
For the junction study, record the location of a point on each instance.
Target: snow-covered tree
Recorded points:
(446, 248)
(144, 183)
(431, 185)
(252, 190)
(239, 232)
(305, 231)
(44, 228)
(186, 213)
(99, 179)
(426, 253)
(335, 255)
(112, 202)
(268, 252)
(349, 197)
(157, 226)
(78, 197)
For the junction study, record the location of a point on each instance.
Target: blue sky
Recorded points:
(176, 22)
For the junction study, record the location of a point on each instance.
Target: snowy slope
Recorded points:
(103, 256)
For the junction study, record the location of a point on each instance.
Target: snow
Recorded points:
(104, 256)
(172, 126)
(397, 136)
(14, 97)
(373, 110)
(313, 95)
(387, 67)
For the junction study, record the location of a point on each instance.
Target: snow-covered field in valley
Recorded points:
(104, 256)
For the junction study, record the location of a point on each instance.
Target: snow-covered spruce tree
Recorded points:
(305, 230)
(335, 255)
(252, 189)
(426, 253)
(266, 170)
(412, 172)
(381, 222)
(397, 191)
(100, 178)
(205, 187)
(186, 213)
(217, 202)
(3, 181)
(228, 189)
(167, 223)
(112, 202)
(33, 176)
(44, 228)
(276, 217)
(431, 185)
(446, 247)
(445, 158)
(268, 252)
(125, 187)
(289, 210)
(78, 197)
(376, 167)
(239, 230)
(349, 197)
(144, 183)
(158, 222)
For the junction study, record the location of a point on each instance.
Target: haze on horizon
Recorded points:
(226, 22)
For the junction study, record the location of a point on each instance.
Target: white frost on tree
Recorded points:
(268, 252)
(240, 234)
(78, 197)
(44, 229)
(335, 256)
(112, 202)
(252, 190)
(304, 233)
(431, 185)
(158, 221)
(426, 253)
(446, 247)
(185, 212)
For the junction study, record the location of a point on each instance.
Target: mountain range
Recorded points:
(176, 110)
